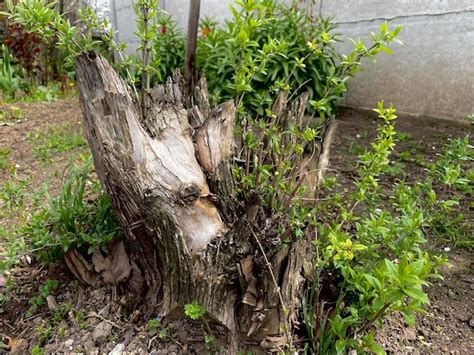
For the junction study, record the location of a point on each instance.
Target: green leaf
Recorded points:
(417, 294)
(409, 318)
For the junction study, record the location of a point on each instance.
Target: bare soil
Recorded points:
(100, 320)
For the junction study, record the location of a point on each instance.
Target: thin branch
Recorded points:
(323, 162)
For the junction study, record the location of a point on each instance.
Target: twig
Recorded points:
(95, 315)
(325, 150)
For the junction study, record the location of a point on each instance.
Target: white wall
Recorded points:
(431, 74)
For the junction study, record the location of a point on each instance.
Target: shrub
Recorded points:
(223, 51)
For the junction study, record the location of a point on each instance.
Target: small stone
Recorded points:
(52, 304)
(68, 343)
(464, 316)
(98, 295)
(102, 330)
(409, 333)
(89, 347)
(471, 322)
(118, 350)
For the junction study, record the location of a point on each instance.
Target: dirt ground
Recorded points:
(102, 320)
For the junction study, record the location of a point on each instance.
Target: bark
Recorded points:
(170, 182)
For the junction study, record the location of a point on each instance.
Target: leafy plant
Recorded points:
(194, 311)
(370, 244)
(44, 291)
(72, 220)
(12, 195)
(36, 350)
(10, 77)
(80, 217)
(4, 161)
(374, 251)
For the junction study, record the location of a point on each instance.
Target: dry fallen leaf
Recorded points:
(115, 268)
(80, 267)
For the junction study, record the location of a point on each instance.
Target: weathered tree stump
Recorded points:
(170, 182)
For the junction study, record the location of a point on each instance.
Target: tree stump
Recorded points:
(170, 182)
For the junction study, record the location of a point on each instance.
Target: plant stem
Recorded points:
(374, 318)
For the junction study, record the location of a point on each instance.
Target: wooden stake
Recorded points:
(190, 60)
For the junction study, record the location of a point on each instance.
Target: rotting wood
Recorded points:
(171, 187)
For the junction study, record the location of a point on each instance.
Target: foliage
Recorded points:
(74, 219)
(370, 246)
(268, 47)
(374, 250)
(5, 163)
(10, 75)
(80, 217)
(24, 46)
(194, 310)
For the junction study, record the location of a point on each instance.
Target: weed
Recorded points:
(153, 325)
(80, 217)
(194, 311)
(36, 350)
(61, 332)
(44, 334)
(5, 163)
(375, 251)
(44, 291)
(403, 136)
(53, 140)
(60, 313)
(12, 195)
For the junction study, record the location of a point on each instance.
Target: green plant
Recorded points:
(12, 195)
(370, 250)
(44, 291)
(5, 164)
(153, 325)
(375, 251)
(44, 335)
(10, 79)
(36, 350)
(53, 140)
(60, 313)
(80, 217)
(72, 220)
(194, 311)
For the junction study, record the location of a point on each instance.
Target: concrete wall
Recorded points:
(431, 74)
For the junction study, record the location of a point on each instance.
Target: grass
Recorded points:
(54, 140)
(5, 163)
